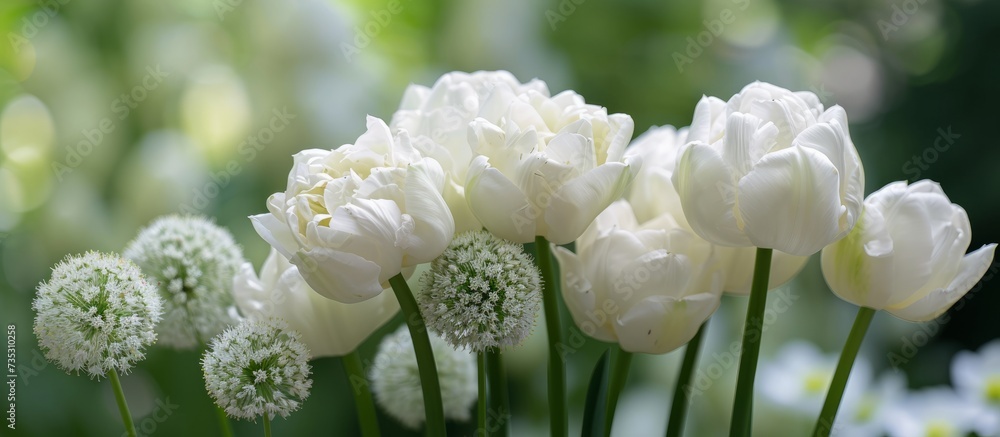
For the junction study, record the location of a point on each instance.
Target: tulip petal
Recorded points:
(434, 225)
(575, 205)
(581, 298)
(739, 262)
(341, 276)
(275, 232)
(708, 195)
(660, 324)
(973, 267)
(499, 204)
(790, 201)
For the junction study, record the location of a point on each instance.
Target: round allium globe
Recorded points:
(482, 293)
(194, 261)
(257, 367)
(96, 313)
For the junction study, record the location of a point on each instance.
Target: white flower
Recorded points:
(976, 376)
(799, 377)
(933, 412)
(771, 169)
(353, 217)
(396, 380)
(864, 414)
(194, 262)
(907, 254)
(648, 287)
(547, 166)
(327, 327)
(481, 293)
(652, 193)
(437, 121)
(257, 367)
(96, 313)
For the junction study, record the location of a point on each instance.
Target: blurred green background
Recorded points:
(117, 111)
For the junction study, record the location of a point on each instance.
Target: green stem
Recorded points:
(616, 382)
(752, 330)
(557, 370)
(679, 406)
(826, 416)
(499, 401)
(267, 425)
(362, 394)
(433, 408)
(227, 431)
(122, 405)
(482, 429)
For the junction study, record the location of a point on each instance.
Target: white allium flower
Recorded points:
(396, 381)
(481, 293)
(976, 376)
(257, 367)
(96, 313)
(194, 261)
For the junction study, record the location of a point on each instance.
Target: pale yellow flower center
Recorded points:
(939, 428)
(992, 390)
(816, 381)
(866, 409)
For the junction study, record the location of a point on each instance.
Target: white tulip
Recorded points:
(907, 254)
(648, 287)
(353, 217)
(770, 169)
(329, 328)
(437, 121)
(652, 193)
(547, 167)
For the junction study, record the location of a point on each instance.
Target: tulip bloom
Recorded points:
(353, 217)
(770, 169)
(648, 287)
(329, 328)
(907, 254)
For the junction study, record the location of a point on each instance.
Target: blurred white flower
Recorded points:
(482, 293)
(194, 262)
(770, 169)
(865, 415)
(329, 328)
(799, 377)
(396, 381)
(353, 217)
(932, 412)
(652, 193)
(257, 367)
(907, 254)
(648, 287)
(547, 166)
(96, 313)
(976, 376)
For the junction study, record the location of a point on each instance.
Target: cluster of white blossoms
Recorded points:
(194, 262)
(257, 367)
(481, 293)
(96, 313)
(397, 387)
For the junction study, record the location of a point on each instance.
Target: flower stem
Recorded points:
(482, 429)
(752, 329)
(616, 382)
(267, 425)
(679, 406)
(122, 405)
(223, 422)
(824, 425)
(557, 370)
(433, 407)
(362, 394)
(499, 401)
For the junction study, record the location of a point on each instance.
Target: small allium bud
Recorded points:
(481, 293)
(96, 313)
(396, 379)
(257, 367)
(194, 262)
